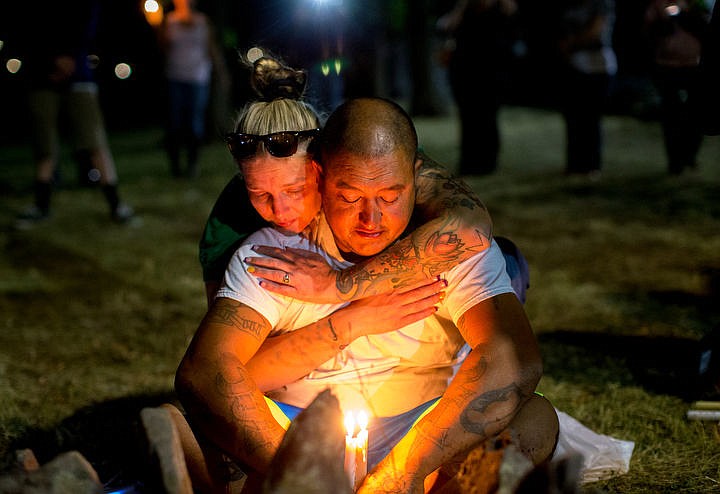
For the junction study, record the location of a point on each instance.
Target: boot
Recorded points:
(38, 211)
(119, 211)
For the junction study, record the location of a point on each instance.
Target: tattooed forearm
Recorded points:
(353, 277)
(467, 381)
(476, 419)
(345, 281)
(428, 431)
(387, 267)
(244, 403)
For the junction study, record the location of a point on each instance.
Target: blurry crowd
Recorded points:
(579, 59)
(387, 49)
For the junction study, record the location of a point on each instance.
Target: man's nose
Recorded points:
(370, 213)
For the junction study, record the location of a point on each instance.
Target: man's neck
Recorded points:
(353, 257)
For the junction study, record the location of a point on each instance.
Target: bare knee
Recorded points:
(535, 429)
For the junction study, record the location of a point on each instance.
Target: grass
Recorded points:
(625, 281)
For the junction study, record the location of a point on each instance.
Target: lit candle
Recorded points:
(356, 446)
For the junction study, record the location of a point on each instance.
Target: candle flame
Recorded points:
(362, 419)
(355, 421)
(349, 423)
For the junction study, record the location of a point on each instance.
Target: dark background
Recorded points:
(298, 30)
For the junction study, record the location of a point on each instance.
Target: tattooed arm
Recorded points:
(290, 356)
(222, 376)
(492, 385)
(221, 399)
(457, 226)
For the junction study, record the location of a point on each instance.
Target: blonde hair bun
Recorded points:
(271, 80)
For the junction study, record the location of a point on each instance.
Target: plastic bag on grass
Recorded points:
(603, 456)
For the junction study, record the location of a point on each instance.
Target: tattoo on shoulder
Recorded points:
(429, 166)
(462, 194)
(227, 313)
(441, 252)
(455, 192)
(459, 193)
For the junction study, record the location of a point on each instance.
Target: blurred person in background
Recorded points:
(588, 66)
(479, 50)
(192, 56)
(676, 30)
(59, 69)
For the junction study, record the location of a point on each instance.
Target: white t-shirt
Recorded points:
(385, 374)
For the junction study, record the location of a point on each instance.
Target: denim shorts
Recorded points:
(383, 432)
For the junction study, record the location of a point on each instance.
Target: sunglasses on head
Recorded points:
(278, 144)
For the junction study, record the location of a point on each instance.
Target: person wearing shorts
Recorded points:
(61, 84)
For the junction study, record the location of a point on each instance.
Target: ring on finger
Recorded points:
(286, 278)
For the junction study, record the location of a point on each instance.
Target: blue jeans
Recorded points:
(187, 108)
(516, 266)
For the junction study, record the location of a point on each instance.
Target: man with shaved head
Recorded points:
(435, 389)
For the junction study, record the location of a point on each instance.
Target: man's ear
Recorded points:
(319, 169)
(418, 164)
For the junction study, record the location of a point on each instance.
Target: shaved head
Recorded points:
(368, 127)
